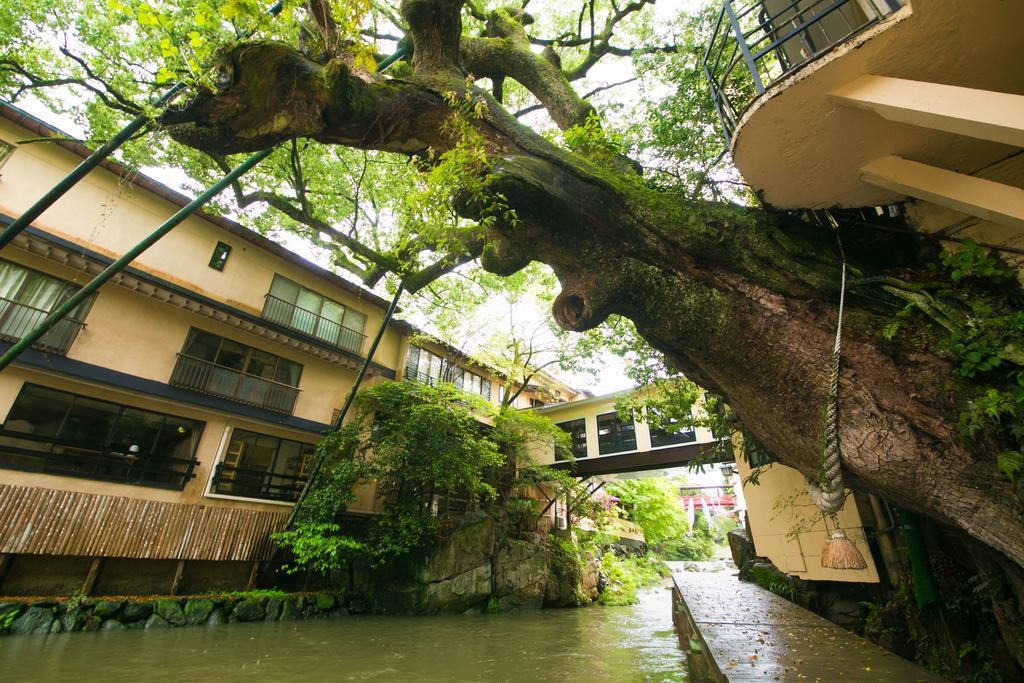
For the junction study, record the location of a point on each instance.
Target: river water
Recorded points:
(635, 643)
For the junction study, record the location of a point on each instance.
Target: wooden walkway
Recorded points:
(738, 631)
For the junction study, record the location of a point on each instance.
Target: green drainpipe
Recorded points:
(926, 590)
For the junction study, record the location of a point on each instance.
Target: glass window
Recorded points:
(235, 356)
(202, 345)
(26, 296)
(577, 430)
(232, 354)
(220, 256)
(307, 311)
(63, 433)
(667, 437)
(615, 435)
(260, 466)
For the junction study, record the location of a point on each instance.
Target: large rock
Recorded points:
(462, 592)
(34, 620)
(470, 546)
(107, 609)
(156, 621)
(249, 610)
(136, 611)
(273, 609)
(73, 619)
(741, 546)
(521, 572)
(217, 617)
(197, 611)
(171, 612)
(111, 625)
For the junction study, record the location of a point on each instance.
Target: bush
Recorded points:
(624, 575)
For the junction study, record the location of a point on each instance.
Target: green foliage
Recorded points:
(594, 141)
(624, 575)
(970, 260)
(418, 443)
(770, 579)
(6, 619)
(320, 547)
(652, 503)
(695, 546)
(257, 594)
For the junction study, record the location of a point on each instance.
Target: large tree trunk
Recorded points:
(740, 299)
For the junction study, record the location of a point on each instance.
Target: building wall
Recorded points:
(790, 531)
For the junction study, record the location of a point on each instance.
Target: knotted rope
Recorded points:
(827, 493)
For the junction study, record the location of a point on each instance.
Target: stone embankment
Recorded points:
(52, 616)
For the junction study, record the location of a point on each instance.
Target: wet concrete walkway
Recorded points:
(738, 631)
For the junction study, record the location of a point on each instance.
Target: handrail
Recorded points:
(252, 483)
(763, 40)
(17, 318)
(198, 374)
(343, 330)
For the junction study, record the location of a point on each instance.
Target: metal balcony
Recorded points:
(217, 380)
(245, 483)
(17, 320)
(297, 318)
(757, 43)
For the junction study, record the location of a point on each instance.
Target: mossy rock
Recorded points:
(273, 609)
(7, 609)
(111, 625)
(35, 620)
(136, 611)
(249, 610)
(107, 609)
(217, 617)
(171, 612)
(73, 619)
(325, 602)
(289, 610)
(198, 611)
(156, 621)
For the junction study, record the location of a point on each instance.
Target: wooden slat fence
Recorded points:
(51, 522)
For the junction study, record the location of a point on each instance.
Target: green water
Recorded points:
(634, 643)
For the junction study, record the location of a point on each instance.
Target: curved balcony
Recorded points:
(757, 44)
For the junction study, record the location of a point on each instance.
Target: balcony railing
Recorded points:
(31, 454)
(245, 483)
(17, 320)
(334, 333)
(756, 43)
(217, 380)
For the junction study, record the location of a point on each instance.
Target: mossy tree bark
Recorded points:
(742, 300)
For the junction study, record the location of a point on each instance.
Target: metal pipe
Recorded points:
(80, 171)
(348, 402)
(117, 266)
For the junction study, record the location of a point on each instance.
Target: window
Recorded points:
(665, 437)
(430, 368)
(27, 296)
(220, 256)
(294, 306)
(260, 466)
(577, 430)
(48, 430)
(615, 435)
(223, 367)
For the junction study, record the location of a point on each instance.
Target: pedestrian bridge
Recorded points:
(603, 443)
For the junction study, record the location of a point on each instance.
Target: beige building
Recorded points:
(153, 439)
(862, 105)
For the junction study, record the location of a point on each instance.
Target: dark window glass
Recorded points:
(288, 372)
(220, 256)
(89, 422)
(202, 345)
(55, 431)
(615, 435)
(260, 466)
(665, 437)
(232, 354)
(38, 411)
(291, 304)
(261, 364)
(577, 430)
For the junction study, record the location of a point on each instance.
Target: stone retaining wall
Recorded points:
(51, 616)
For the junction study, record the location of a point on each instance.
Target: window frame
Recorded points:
(322, 300)
(230, 438)
(617, 429)
(582, 422)
(108, 447)
(246, 359)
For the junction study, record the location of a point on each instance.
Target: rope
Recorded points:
(828, 493)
